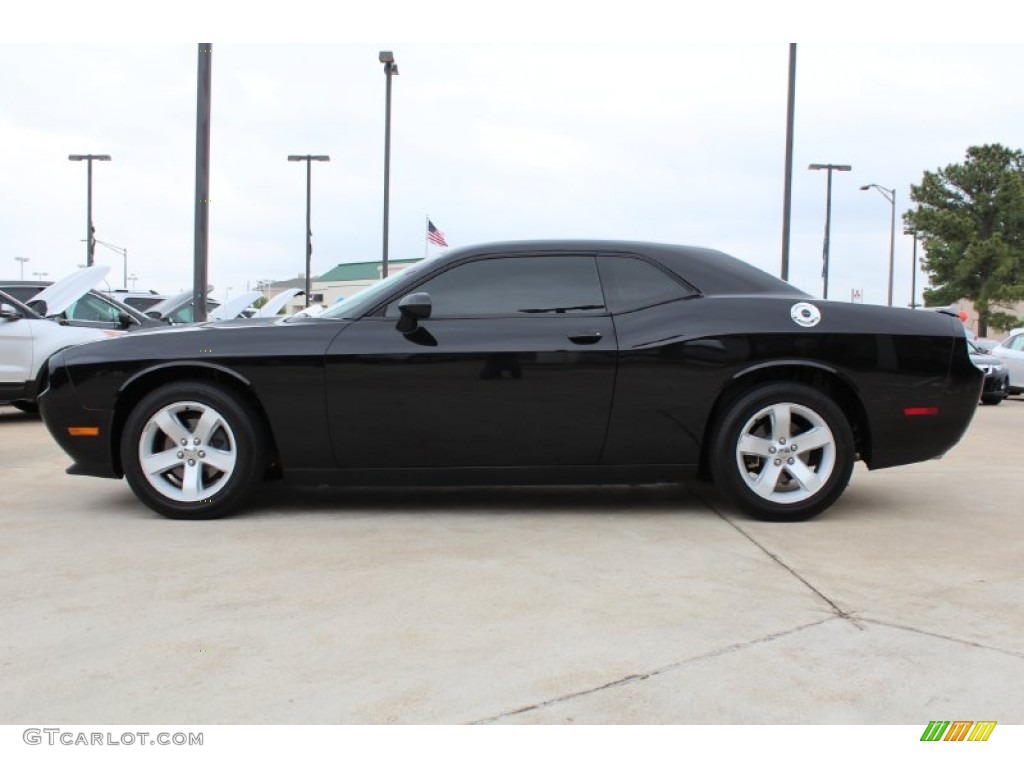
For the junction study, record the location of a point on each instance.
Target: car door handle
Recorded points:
(585, 337)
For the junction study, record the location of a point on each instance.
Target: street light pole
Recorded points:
(89, 243)
(890, 195)
(787, 192)
(22, 259)
(828, 216)
(387, 58)
(309, 187)
(124, 255)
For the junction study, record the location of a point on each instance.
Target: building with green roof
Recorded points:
(341, 281)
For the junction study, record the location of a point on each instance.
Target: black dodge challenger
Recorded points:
(525, 362)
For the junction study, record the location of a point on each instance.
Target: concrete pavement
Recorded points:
(901, 604)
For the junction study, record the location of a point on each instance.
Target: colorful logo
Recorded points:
(958, 730)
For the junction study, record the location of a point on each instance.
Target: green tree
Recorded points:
(970, 219)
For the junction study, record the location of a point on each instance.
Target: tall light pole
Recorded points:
(89, 244)
(308, 159)
(890, 195)
(387, 58)
(40, 275)
(201, 216)
(22, 259)
(787, 191)
(828, 215)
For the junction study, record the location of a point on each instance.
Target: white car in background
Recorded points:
(28, 338)
(1011, 352)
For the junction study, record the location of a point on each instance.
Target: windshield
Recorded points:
(358, 303)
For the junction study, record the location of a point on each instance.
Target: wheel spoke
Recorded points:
(765, 483)
(808, 479)
(207, 425)
(158, 463)
(192, 483)
(168, 422)
(780, 422)
(755, 446)
(220, 460)
(813, 438)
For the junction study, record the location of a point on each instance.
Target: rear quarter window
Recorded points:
(631, 283)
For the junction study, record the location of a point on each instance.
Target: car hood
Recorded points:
(273, 306)
(55, 298)
(232, 308)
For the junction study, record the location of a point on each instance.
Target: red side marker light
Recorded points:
(83, 431)
(921, 411)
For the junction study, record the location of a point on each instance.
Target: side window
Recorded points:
(632, 283)
(521, 285)
(23, 293)
(1017, 343)
(183, 314)
(93, 309)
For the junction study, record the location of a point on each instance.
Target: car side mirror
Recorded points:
(414, 307)
(125, 320)
(9, 312)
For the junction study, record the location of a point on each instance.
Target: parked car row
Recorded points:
(34, 329)
(38, 318)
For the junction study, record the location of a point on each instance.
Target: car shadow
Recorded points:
(11, 415)
(276, 498)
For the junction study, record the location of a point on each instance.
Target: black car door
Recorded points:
(514, 367)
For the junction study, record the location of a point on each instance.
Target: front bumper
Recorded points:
(86, 435)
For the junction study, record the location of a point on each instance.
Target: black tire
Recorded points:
(27, 406)
(795, 483)
(992, 399)
(227, 461)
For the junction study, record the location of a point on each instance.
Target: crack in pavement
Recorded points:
(833, 605)
(640, 677)
(959, 640)
(853, 618)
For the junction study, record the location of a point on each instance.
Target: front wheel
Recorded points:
(783, 452)
(192, 451)
(991, 399)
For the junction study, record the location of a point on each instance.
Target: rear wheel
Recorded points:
(192, 451)
(26, 406)
(991, 399)
(783, 452)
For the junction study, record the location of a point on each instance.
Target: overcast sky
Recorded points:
(587, 137)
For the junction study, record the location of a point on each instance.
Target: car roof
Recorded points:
(710, 271)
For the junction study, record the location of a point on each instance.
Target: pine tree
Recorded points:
(970, 219)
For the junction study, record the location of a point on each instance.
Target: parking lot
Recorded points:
(901, 604)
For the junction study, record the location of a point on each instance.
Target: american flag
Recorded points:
(435, 235)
